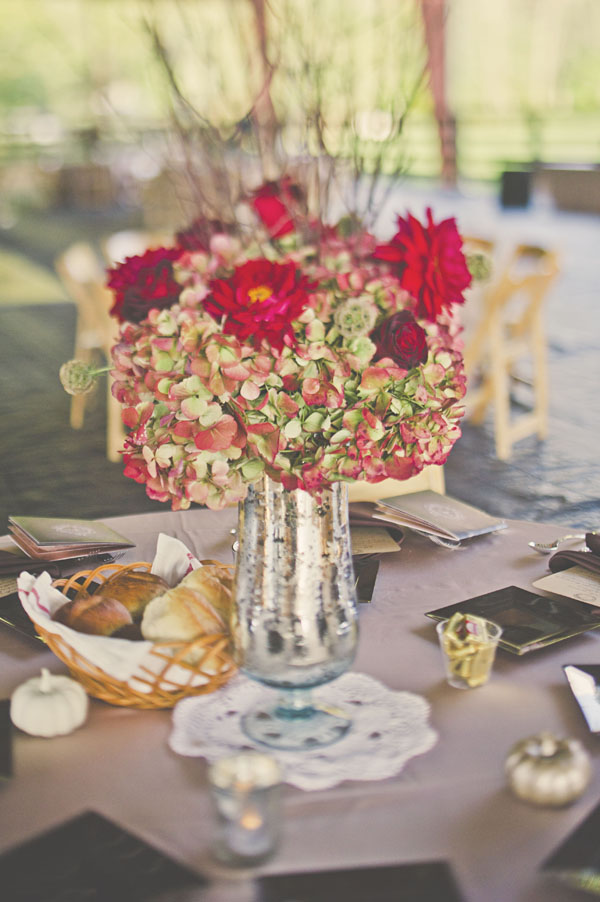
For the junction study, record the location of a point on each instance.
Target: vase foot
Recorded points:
(316, 726)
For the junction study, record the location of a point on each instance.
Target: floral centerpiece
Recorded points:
(306, 352)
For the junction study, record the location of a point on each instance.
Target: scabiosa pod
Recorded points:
(78, 377)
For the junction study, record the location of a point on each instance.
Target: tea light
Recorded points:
(245, 789)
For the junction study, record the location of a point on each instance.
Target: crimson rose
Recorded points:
(401, 338)
(260, 300)
(143, 283)
(432, 266)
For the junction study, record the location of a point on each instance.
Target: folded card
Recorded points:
(431, 513)
(55, 538)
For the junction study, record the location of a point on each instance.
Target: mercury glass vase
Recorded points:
(295, 623)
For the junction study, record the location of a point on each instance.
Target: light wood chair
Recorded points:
(131, 243)
(82, 275)
(431, 477)
(510, 331)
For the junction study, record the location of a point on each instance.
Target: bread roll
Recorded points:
(180, 615)
(134, 589)
(213, 583)
(95, 614)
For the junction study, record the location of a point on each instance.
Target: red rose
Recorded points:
(432, 266)
(401, 338)
(143, 283)
(276, 204)
(260, 300)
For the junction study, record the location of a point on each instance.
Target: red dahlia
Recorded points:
(432, 266)
(277, 203)
(260, 301)
(143, 283)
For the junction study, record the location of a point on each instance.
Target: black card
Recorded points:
(577, 860)
(421, 882)
(528, 621)
(91, 859)
(12, 613)
(5, 740)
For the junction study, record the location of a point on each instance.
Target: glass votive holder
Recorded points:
(246, 791)
(468, 647)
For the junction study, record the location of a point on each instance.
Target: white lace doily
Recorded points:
(388, 728)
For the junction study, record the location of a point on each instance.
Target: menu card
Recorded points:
(430, 513)
(55, 538)
(91, 858)
(414, 882)
(576, 582)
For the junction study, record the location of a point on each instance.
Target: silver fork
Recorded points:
(549, 547)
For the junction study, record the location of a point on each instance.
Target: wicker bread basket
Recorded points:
(164, 676)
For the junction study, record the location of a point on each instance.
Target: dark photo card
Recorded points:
(577, 860)
(419, 882)
(91, 859)
(5, 740)
(528, 621)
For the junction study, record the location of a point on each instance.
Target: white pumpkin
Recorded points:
(49, 705)
(548, 771)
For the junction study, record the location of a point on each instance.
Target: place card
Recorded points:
(386, 883)
(90, 857)
(372, 540)
(574, 582)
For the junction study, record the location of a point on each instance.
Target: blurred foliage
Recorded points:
(523, 75)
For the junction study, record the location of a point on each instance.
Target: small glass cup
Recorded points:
(469, 662)
(245, 790)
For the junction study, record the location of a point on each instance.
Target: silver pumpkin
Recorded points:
(548, 771)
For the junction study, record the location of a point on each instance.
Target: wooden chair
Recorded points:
(470, 312)
(131, 243)
(510, 330)
(82, 275)
(431, 477)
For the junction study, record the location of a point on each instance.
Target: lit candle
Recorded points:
(245, 788)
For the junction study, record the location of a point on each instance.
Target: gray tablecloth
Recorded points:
(451, 803)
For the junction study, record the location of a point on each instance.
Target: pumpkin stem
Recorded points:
(548, 744)
(45, 680)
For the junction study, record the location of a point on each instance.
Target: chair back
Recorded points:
(431, 477)
(83, 276)
(511, 328)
